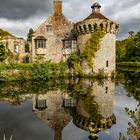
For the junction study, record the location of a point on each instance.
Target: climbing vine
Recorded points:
(3, 53)
(87, 54)
(92, 46)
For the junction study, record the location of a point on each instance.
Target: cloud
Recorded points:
(17, 16)
(22, 9)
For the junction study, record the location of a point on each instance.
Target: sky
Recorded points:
(18, 16)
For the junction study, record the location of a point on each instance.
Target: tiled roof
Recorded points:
(96, 15)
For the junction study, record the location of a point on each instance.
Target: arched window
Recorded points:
(101, 27)
(77, 29)
(95, 27)
(80, 28)
(89, 27)
(85, 28)
(111, 26)
(106, 26)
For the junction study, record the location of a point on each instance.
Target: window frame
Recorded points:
(49, 28)
(40, 43)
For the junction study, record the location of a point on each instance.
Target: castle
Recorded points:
(57, 38)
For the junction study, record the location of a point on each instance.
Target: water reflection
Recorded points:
(131, 81)
(89, 104)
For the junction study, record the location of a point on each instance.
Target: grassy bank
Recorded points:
(129, 64)
(41, 72)
(19, 72)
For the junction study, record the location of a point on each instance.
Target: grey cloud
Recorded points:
(22, 9)
(31, 13)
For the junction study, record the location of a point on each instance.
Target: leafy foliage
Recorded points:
(92, 46)
(87, 54)
(129, 49)
(3, 53)
(21, 72)
(30, 35)
(134, 129)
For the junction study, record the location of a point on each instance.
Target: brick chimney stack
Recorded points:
(57, 6)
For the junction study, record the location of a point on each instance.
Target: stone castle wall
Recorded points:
(16, 46)
(105, 56)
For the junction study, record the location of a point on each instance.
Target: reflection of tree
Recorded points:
(131, 82)
(134, 129)
(89, 102)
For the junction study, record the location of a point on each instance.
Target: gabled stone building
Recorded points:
(47, 40)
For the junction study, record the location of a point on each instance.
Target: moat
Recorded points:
(74, 109)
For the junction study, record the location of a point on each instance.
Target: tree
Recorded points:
(131, 33)
(129, 49)
(30, 35)
(3, 53)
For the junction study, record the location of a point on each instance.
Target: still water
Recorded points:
(75, 109)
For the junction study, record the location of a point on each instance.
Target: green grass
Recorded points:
(129, 64)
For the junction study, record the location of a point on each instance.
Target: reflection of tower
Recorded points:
(50, 108)
(94, 111)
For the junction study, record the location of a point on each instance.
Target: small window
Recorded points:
(106, 90)
(26, 59)
(41, 104)
(107, 63)
(16, 48)
(40, 43)
(48, 28)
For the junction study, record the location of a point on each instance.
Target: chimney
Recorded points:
(57, 6)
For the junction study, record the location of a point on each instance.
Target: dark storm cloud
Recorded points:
(22, 9)
(31, 13)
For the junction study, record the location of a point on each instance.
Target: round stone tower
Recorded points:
(105, 56)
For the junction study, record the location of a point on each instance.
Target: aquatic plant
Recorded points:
(4, 137)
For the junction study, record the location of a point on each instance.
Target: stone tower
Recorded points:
(105, 57)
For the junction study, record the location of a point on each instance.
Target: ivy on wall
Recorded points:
(3, 53)
(87, 54)
(92, 46)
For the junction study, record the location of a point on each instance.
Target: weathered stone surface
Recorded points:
(54, 44)
(105, 57)
(16, 47)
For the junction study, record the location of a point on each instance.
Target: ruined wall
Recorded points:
(16, 46)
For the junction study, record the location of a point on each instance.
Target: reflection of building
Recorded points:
(91, 110)
(50, 108)
(94, 112)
